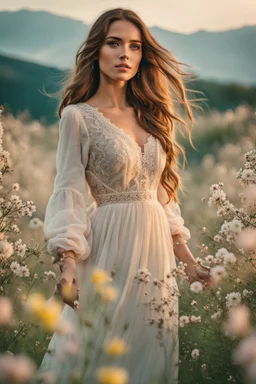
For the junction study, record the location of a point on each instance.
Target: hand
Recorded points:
(68, 285)
(203, 275)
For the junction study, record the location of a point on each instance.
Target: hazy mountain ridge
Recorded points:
(53, 40)
(22, 85)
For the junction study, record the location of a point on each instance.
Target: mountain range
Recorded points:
(53, 40)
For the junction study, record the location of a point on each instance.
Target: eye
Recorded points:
(134, 45)
(112, 42)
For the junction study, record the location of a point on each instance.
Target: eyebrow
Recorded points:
(118, 38)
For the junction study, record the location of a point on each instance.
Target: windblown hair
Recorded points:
(155, 96)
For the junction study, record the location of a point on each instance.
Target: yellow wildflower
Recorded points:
(116, 347)
(35, 303)
(100, 277)
(108, 293)
(50, 315)
(112, 375)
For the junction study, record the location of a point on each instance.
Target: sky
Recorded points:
(183, 16)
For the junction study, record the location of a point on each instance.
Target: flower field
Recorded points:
(217, 325)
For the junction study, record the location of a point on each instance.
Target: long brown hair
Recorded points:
(155, 96)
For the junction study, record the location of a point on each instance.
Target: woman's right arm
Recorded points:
(67, 226)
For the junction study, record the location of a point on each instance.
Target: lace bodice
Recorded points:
(116, 163)
(95, 156)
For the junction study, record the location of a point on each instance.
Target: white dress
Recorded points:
(108, 207)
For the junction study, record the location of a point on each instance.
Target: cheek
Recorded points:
(137, 57)
(106, 54)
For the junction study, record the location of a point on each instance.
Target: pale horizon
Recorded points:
(212, 16)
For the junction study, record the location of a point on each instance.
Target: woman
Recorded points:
(117, 142)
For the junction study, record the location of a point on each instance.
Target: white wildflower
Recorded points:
(209, 258)
(50, 275)
(15, 267)
(247, 293)
(221, 253)
(248, 175)
(217, 273)
(15, 228)
(216, 315)
(217, 238)
(6, 248)
(229, 258)
(36, 223)
(232, 299)
(143, 275)
(20, 248)
(183, 320)
(196, 287)
(216, 197)
(225, 228)
(236, 225)
(214, 187)
(195, 353)
(24, 271)
(16, 186)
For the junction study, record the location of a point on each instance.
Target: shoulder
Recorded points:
(77, 114)
(72, 115)
(73, 122)
(71, 111)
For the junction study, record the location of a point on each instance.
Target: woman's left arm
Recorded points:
(180, 234)
(183, 253)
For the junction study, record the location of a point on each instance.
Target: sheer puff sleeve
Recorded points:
(67, 223)
(173, 214)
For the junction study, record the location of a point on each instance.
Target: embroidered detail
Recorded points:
(126, 197)
(122, 132)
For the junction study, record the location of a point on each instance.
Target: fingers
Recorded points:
(70, 302)
(73, 292)
(203, 277)
(205, 267)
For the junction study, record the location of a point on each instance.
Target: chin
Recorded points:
(125, 75)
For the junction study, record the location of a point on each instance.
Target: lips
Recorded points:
(123, 66)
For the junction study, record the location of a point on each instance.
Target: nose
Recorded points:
(123, 56)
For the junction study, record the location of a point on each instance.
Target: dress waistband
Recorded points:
(126, 197)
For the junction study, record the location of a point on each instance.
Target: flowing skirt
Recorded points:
(127, 237)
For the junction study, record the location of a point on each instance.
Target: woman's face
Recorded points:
(123, 44)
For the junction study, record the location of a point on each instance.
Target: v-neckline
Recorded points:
(126, 135)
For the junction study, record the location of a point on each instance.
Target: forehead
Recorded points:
(124, 29)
